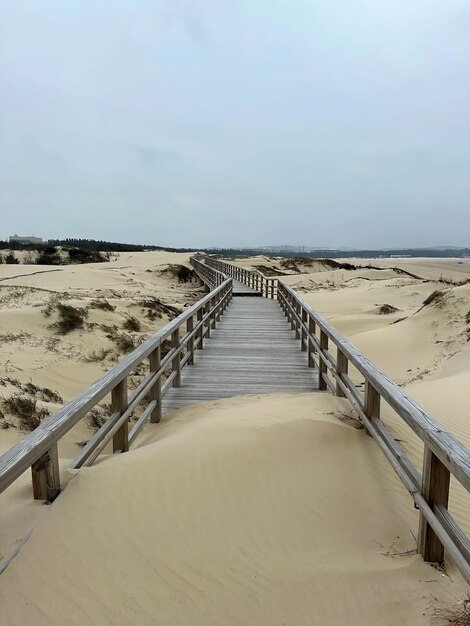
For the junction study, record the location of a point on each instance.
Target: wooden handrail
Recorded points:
(444, 454)
(38, 449)
(210, 276)
(266, 285)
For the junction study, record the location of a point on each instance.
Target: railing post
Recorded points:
(371, 401)
(291, 313)
(298, 309)
(156, 391)
(435, 490)
(322, 369)
(119, 404)
(212, 304)
(303, 333)
(342, 364)
(208, 320)
(200, 332)
(45, 475)
(311, 346)
(189, 329)
(176, 361)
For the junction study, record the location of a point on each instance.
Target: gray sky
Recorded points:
(236, 122)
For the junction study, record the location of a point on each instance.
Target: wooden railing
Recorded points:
(211, 276)
(266, 285)
(185, 334)
(444, 455)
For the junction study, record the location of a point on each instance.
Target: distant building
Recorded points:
(25, 240)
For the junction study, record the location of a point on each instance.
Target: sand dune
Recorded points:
(244, 511)
(132, 285)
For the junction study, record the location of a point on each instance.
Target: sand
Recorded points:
(256, 510)
(31, 350)
(263, 510)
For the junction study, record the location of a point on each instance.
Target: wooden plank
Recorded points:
(45, 475)
(119, 404)
(342, 364)
(176, 362)
(435, 490)
(156, 390)
(252, 351)
(453, 529)
(323, 368)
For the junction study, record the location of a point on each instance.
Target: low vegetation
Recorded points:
(49, 256)
(10, 259)
(181, 272)
(25, 410)
(40, 393)
(97, 356)
(269, 270)
(455, 616)
(97, 417)
(155, 308)
(70, 318)
(132, 324)
(124, 342)
(435, 297)
(102, 304)
(387, 309)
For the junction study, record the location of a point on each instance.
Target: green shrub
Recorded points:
(82, 255)
(48, 256)
(10, 259)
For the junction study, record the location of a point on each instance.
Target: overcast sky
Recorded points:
(236, 122)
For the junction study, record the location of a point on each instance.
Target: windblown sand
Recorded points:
(265, 510)
(259, 510)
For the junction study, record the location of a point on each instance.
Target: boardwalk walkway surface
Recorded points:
(252, 350)
(239, 289)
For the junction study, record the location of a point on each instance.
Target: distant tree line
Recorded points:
(104, 246)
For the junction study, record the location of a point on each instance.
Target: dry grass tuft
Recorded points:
(349, 418)
(131, 323)
(436, 296)
(97, 417)
(96, 356)
(387, 309)
(41, 393)
(103, 305)
(457, 615)
(70, 318)
(25, 410)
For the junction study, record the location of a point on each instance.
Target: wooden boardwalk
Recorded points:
(239, 289)
(252, 351)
